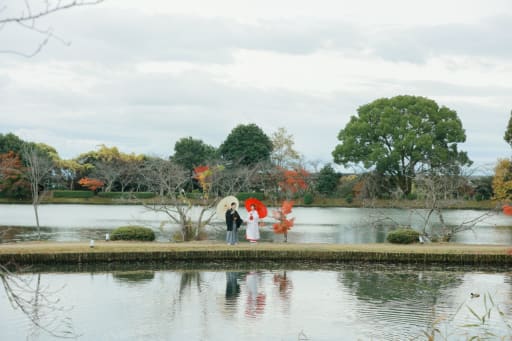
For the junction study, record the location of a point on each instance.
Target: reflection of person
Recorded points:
(232, 287)
(253, 232)
(255, 300)
(233, 222)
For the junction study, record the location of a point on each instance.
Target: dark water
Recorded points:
(312, 225)
(261, 302)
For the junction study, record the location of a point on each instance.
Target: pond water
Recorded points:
(312, 225)
(265, 302)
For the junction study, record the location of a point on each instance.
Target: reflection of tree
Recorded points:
(284, 284)
(37, 303)
(396, 293)
(398, 286)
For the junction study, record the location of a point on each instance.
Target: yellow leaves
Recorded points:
(502, 181)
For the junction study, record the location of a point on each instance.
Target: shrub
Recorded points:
(133, 233)
(126, 195)
(244, 195)
(73, 194)
(349, 198)
(308, 199)
(403, 236)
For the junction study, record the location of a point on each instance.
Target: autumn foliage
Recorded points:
(203, 175)
(12, 175)
(293, 180)
(91, 183)
(283, 224)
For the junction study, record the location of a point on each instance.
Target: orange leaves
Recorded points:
(91, 183)
(13, 175)
(293, 180)
(284, 224)
(203, 175)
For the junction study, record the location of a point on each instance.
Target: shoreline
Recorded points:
(78, 253)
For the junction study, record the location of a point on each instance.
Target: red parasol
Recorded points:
(260, 207)
(507, 209)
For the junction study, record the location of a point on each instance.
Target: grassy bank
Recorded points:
(50, 253)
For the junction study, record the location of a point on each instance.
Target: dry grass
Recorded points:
(134, 247)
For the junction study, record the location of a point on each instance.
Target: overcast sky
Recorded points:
(140, 75)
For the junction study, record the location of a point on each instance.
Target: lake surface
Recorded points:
(258, 302)
(312, 225)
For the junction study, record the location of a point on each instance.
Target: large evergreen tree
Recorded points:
(327, 181)
(246, 145)
(398, 136)
(190, 153)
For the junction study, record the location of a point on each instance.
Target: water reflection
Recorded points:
(255, 297)
(39, 303)
(134, 277)
(233, 302)
(312, 224)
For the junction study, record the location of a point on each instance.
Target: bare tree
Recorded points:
(108, 171)
(39, 168)
(27, 14)
(37, 302)
(193, 214)
(439, 191)
(163, 176)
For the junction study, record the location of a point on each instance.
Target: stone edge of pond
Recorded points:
(244, 255)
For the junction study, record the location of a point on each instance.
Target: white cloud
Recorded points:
(142, 76)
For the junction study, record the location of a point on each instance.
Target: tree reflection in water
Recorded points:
(39, 303)
(399, 294)
(284, 286)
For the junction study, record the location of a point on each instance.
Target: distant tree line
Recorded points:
(397, 144)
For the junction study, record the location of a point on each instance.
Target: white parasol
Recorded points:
(224, 204)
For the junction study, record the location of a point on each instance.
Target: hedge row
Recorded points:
(126, 195)
(73, 194)
(242, 196)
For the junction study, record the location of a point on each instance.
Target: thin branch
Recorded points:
(49, 10)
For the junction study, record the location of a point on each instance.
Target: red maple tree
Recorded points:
(91, 183)
(13, 181)
(283, 224)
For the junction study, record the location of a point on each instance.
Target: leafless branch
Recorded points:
(49, 9)
(28, 19)
(37, 303)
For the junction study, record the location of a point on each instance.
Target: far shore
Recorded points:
(318, 202)
(53, 253)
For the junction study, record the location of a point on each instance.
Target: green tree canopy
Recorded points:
(327, 180)
(508, 132)
(397, 136)
(246, 145)
(10, 142)
(190, 153)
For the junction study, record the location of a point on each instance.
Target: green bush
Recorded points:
(73, 194)
(308, 199)
(349, 198)
(403, 236)
(133, 233)
(126, 195)
(242, 196)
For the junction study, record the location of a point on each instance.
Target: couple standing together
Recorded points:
(233, 222)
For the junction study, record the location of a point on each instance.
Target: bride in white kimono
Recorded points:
(253, 232)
